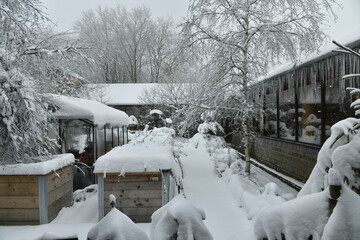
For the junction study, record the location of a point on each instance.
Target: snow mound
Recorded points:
(296, 219)
(344, 221)
(149, 152)
(84, 208)
(162, 135)
(116, 226)
(133, 120)
(249, 197)
(211, 128)
(139, 157)
(208, 141)
(181, 219)
(40, 166)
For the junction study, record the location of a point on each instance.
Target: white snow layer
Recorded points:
(77, 108)
(156, 111)
(344, 221)
(295, 219)
(133, 120)
(40, 166)
(179, 217)
(139, 157)
(116, 226)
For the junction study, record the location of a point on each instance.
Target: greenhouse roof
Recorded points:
(76, 108)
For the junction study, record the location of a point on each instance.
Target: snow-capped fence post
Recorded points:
(334, 189)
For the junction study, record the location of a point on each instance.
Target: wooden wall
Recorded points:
(21, 198)
(136, 195)
(59, 191)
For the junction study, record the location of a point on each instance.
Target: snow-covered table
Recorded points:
(34, 193)
(138, 175)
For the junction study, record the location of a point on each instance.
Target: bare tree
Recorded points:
(249, 35)
(128, 45)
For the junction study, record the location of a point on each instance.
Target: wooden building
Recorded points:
(139, 176)
(298, 105)
(34, 193)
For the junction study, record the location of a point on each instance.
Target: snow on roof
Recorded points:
(41, 166)
(137, 157)
(350, 39)
(122, 94)
(77, 108)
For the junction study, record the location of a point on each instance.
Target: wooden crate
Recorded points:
(34, 199)
(138, 195)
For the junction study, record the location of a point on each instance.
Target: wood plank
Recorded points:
(133, 194)
(129, 174)
(18, 179)
(59, 192)
(18, 223)
(131, 203)
(132, 186)
(130, 178)
(11, 215)
(19, 202)
(19, 189)
(54, 181)
(55, 207)
(144, 211)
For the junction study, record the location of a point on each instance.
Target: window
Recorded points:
(269, 121)
(287, 107)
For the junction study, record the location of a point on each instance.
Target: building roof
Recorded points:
(351, 40)
(96, 112)
(122, 93)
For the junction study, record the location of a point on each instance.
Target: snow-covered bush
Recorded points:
(295, 219)
(23, 119)
(206, 137)
(116, 226)
(179, 219)
(341, 151)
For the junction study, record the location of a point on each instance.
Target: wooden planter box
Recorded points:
(138, 195)
(31, 199)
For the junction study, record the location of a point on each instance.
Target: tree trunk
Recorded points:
(246, 148)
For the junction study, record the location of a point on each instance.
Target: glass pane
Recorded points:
(269, 124)
(309, 95)
(77, 138)
(287, 107)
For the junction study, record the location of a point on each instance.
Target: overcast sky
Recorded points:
(65, 12)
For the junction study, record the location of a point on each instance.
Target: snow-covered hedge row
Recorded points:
(312, 213)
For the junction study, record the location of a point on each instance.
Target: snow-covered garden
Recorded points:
(76, 165)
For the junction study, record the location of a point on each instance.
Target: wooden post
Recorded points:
(101, 196)
(165, 186)
(43, 201)
(334, 192)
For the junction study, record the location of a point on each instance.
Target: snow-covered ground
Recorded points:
(227, 201)
(204, 188)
